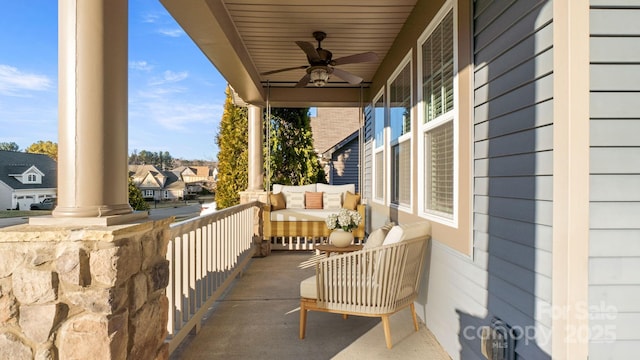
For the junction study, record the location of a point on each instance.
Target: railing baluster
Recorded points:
(205, 254)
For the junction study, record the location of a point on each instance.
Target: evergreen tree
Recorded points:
(232, 141)
(136, 200)
(292, 159)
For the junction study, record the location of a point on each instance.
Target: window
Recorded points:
(166, 194)
(379, 130)
(400, 141)
(148, 193)
(438, 110)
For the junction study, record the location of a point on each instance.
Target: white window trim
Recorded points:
(450, 116)
(377, 148)
(406, 61)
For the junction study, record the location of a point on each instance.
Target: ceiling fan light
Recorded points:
(318, 76)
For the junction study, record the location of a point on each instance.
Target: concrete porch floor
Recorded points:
(258, 319)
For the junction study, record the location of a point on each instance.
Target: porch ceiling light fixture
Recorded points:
(318, 75)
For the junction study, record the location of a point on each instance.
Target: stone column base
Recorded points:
(97, 292)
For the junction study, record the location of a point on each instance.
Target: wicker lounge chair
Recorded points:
(374, 282)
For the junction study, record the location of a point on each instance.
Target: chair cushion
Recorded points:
(351, 201)
(308, 288)
(313, 200)
(277, 201)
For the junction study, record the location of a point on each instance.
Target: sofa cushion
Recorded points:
(308, 288)
(313, 200)
(301, 214)
(277, 201)
(332, 201)
(293, 188)
(351, 201)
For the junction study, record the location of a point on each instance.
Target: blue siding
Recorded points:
(513, 155)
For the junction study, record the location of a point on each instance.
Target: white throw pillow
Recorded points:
(394, 235)
(331, 201)
(295, 200)
(375, 239)
(377, 236)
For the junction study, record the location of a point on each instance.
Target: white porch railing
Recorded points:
(205, 254)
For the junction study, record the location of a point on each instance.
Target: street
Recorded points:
(180, 212)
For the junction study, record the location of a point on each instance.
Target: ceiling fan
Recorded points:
(321, 65)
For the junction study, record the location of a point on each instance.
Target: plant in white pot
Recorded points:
(342, 224)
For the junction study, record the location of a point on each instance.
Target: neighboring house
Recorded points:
(334, 128)
(197, 178)
(342, 161)
(26, 179)
(181, 183)
(156, 184)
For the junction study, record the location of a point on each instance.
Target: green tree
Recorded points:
(291, 158)
(162, 160)
(136, 200)
(233, 155)
(9, 146)
(48, 148)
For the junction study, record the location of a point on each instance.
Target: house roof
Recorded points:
(13, 163)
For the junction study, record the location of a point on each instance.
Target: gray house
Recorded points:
(26, 179)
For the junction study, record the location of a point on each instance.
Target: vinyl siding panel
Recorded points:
(509, 275)
(344, 164)
(614, 243)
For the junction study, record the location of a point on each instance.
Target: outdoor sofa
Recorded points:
(302, 210)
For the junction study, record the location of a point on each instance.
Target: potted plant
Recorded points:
(342, 224)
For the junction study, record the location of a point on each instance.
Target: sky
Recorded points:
(176, 96)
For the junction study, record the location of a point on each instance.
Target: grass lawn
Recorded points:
(22, 213)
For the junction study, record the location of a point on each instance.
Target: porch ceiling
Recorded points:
(244, 38)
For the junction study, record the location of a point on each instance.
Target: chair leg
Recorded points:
(387, 330)
(415, 317)
(345, 316)
(303, 319)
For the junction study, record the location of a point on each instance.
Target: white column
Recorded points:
(256, 164)
(92, 129)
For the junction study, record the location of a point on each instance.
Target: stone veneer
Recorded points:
(84, 292)
(262, 248)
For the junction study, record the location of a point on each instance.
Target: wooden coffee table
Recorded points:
(328, 248)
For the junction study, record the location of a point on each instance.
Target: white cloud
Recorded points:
(14, 82)
(174, 32)
(169, 77)
(150, 18)
(140, 65)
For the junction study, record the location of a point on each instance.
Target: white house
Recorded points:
(26, 179)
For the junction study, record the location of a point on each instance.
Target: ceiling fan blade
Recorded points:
(311, 51)
(304, 81)
(357, 58)
(347, 76)
(285, 69)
